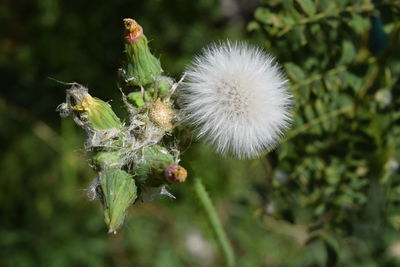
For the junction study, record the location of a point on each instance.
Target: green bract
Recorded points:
(119, 192)
(151, 170)
(101, 116)
(142, 67)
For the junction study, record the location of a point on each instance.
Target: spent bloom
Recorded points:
(238, 97)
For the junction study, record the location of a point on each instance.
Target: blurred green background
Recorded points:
(329, 195)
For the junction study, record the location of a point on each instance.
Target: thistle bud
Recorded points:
(175, 174)
(101, 116)
(164, 85)
(162, 114)
(88, 111)
(137, 99)
(142, 67)
(151, 169)
(103, 160)
(118, 192)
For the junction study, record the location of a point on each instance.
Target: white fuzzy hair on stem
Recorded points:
(237, 96)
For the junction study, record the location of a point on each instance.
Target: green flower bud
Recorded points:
(118, 193)
(89, 111)
(151, 170)
(101, 116)
(104, 160)
(164, 85)
(137, 99)
(142, 67)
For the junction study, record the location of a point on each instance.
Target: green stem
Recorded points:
(216, 225)
(366, 7)
(317, 77)
(318, 120)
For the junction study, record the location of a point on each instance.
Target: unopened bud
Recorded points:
(107, 159)
(175, 174)
(138, 99)
(118, 191)
(142, 67)
(88, 110)
(151, 169)
(164, 85)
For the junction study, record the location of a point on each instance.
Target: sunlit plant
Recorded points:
(234, 94)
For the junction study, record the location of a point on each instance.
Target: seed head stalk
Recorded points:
(215, 222)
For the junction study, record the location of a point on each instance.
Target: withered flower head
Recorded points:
(132, 30)
(162, 115)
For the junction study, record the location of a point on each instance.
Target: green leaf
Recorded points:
(262, 14)
(299, 33)
(287, 4)
(359, 23)
(294, 71)
(332, 249)
(309, 112)
(349, 53)
(253, 26)
(307, 6)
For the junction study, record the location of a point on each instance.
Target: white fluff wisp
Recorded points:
(238, 97)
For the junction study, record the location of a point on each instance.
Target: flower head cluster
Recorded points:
(238, 98)
(130, 155)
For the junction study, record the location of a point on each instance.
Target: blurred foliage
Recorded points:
(337, 171)
(330, 194)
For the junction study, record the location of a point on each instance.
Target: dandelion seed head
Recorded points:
(238, 98)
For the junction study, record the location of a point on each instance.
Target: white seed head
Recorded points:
(238, 98)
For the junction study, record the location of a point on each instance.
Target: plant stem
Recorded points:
(366, 7)
(215, 222)
(320, 119)
(317, 77)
